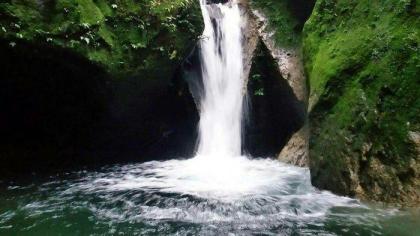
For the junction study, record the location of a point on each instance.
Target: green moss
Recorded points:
(120, 34)
(105, 8)
(362, 61)
(281, 21)
(286, 18)
(107, 35)
(89, 12)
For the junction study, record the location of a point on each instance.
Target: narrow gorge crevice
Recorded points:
(287, 81)
(275, 112)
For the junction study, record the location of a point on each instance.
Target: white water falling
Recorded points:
(222, 68)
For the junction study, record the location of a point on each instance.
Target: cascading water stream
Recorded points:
(222, 68)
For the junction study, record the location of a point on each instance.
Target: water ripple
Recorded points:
(192, 196)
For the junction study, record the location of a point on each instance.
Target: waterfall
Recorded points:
(221, 103)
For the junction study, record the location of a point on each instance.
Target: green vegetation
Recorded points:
(362, 60)
(125, 36)
(286, 18)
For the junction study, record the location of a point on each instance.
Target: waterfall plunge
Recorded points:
(219, 192)
(222, 67)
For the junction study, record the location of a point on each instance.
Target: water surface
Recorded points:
(192, 197)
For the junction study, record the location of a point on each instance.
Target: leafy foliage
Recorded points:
(126, 36)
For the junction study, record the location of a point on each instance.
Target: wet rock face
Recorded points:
(364, 109)
(275, 113)
(276, 105)
(290, 68)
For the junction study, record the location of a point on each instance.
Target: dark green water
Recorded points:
(192, 197)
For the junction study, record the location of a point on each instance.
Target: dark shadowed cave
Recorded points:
(61, 111)
(275, 113)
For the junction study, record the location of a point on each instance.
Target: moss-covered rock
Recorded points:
(286, 19)
(127, 37)
(362, 60)
(280, 25)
